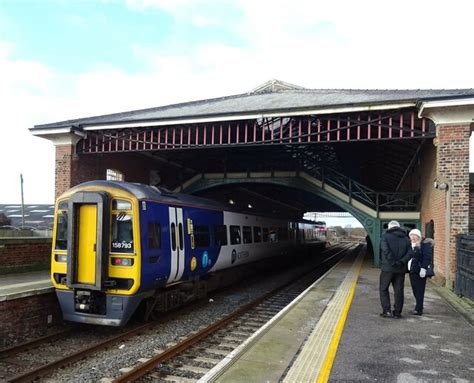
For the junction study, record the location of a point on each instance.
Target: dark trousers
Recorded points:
(418, 286)
(397, 280)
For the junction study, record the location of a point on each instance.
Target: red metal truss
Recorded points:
(388, 125)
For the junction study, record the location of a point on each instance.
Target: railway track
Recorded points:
(16, 360)
(29, 356)
(193, 357)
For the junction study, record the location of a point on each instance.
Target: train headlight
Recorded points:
(122, 261)
(60, 258)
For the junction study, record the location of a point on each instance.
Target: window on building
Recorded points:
(114, 175)
(265, 234)
(429, 229)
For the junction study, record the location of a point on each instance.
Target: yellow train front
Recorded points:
(94, 267)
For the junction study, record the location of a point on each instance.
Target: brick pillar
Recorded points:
(453, 169)
(454, 121)
(471, 208)
(64, 168)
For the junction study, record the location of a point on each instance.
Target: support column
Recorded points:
(453, 171)
(64, 167)
(449, 205)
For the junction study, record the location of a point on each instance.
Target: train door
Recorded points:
(177, 244)
(87, 247)
(87, 243)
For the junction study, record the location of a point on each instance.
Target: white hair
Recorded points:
(393, 224)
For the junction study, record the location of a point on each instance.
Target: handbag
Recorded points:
(429, 272)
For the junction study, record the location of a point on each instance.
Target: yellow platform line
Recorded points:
(316, 358)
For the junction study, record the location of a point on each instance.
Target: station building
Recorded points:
(283, 149)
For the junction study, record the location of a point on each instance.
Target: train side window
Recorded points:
(181, 235)
(220, 235)
(265, 234)
(247, 234)
(201, 236)
(154, 235)
(257, 234)
(235, 235)
(61, 230)
(282, 233)
(173, 236)
(273, 235)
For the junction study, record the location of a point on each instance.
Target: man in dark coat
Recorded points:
(395, 253)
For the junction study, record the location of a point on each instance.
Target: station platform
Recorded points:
(333, 332)
(14, 286)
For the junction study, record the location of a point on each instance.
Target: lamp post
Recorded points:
(22, 203)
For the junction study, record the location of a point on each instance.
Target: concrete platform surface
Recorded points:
(438, 346)
(267, 357)
(14, 286)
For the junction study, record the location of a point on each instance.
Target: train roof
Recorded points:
(142, 191)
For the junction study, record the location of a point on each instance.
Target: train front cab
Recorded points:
(95, 260)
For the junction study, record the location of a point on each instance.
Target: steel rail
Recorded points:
(13, 350)
(81, 354)
(149, 365)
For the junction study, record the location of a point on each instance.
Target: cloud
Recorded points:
(338, 44)
(312, 44)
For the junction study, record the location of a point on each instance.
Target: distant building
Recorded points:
(36, 216)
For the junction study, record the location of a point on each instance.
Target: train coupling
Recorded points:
(93, 302)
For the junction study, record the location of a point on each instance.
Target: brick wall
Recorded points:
(20, 254)
(453, 166)
(27, 317)
(471, 210)
(64, 155)
(433, 207)
(445, 161)
(73, 169)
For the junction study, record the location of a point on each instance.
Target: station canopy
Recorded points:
(369, 137)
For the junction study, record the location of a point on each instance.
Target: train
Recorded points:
(119, 247)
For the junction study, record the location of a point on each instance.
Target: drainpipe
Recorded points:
(443, 184)
(447, 246)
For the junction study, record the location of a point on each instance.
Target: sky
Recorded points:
(63, 59)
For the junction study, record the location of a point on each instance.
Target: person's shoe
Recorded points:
(386, 314)
(416, 312)
(397, 315)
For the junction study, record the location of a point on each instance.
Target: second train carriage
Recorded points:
(116, 244)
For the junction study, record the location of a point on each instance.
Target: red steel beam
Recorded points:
(377, 126)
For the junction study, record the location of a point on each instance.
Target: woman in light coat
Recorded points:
(422, 255)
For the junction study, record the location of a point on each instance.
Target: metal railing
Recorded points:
(379, 201)
(465, 266)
